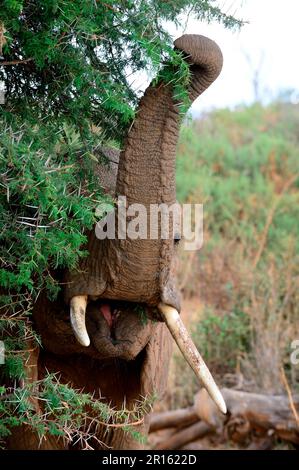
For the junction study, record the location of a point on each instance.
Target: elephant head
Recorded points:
(126, 271)
(93, 334)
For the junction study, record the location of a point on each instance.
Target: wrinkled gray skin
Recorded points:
(132, 361)
(139, 270)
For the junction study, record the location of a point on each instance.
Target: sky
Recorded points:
(267, 46)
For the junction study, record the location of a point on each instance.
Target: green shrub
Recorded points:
(222, 339)
(243, 166)
(237, 163)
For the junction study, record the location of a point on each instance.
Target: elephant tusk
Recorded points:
(190, 353)
(78, 306)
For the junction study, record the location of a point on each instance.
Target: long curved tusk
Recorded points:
(78, 306)
(190, 353)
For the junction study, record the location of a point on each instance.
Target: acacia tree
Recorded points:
(68, 68)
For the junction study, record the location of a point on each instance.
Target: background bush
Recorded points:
(242, 286)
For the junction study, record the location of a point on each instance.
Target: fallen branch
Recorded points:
(173, 418)
(250, 411)
(186, 435)
(253, 420)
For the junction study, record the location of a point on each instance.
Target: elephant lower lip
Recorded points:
(117, 329)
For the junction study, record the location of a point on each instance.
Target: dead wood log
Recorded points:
(193, 446)
(173, 418)
(253, 411)
(186, 435)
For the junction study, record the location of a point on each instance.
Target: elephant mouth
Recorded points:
(118, 333)
(119, 329)
(124, 364)
(126, 358)
(120, 366)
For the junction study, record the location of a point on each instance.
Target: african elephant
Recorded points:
(93, 334)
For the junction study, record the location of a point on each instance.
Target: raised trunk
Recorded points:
(147, 173)
(146, 176)
(139, 269)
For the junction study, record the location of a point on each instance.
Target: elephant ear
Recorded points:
(156, 364)
(106, 170)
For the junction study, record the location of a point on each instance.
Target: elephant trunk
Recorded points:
(147, 165)
(205, 59)
(139, 269)
(146, 173)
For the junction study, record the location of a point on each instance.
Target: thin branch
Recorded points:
(16, 62)
(291, 400)
(61, 168)
(270, 218)
(121, 425)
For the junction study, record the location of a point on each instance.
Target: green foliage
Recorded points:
(238, 162)
(221, 339)
(44, 207)
(79, 56)
(64, 411)
(68, 68)
(243, 166)
(140, 310)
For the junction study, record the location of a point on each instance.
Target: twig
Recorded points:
(121, 425)
(16, 62)
(3, 40)
(270, 219)
(187, 271)
(287, 387)
(109, 6)
(61, 168)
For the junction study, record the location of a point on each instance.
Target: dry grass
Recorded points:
(269, 296)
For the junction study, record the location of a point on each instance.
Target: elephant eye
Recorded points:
(177, 238)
